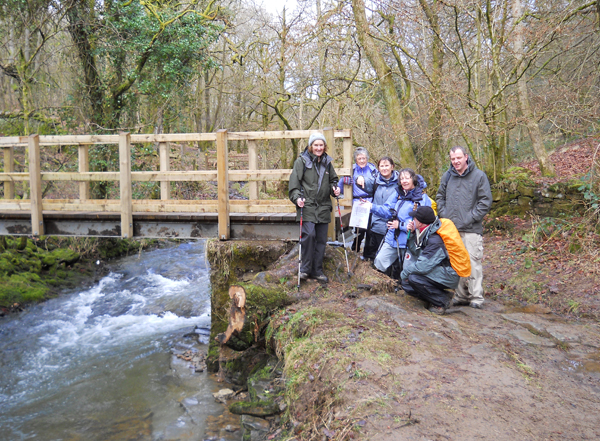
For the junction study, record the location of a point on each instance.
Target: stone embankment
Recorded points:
(356, 360)
(518, 194)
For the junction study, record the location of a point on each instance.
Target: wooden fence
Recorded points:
(126, 205)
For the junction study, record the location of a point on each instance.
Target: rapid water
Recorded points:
(98, 363)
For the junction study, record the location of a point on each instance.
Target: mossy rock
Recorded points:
(6, 265)
(255, 408)
(22, 287)
(31, 246)
(262, 301)
(68, 256)
(212, 358)
(21, 243)
(111, 248)
(48, 260)
(526, 190)
(520, 174)
(250, 361)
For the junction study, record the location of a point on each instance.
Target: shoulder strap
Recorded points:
(446, 178)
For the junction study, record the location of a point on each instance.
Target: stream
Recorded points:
(98, 363)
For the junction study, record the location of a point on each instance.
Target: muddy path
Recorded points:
(401, 372)
(361, 361)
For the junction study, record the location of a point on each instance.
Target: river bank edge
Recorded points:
(36, 269)
(354, 359)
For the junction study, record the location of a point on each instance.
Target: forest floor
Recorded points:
(365, 362)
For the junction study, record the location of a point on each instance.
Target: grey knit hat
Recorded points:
(316, 136)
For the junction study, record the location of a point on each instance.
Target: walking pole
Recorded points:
(300, 241)
(415, 206)
(343, 238)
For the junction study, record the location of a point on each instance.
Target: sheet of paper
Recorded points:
(360, 214)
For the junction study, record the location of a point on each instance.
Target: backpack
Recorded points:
(458, 254)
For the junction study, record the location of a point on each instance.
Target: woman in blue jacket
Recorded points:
(386, 185)
(396, 209)
(363, 178)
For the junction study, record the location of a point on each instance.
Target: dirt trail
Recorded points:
(401, 372)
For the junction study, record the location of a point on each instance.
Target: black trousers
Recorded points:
(427, 290)
(314, 241)
(358, 239)
(372, 243)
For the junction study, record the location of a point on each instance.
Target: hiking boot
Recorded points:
(439, 310)
(460, 303)
(476, 305)
(303, 276)
(322, 278)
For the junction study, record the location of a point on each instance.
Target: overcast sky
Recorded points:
(275, 6)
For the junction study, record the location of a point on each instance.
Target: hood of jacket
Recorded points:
(310, 159)
(470, 167)
(413, 195)
(394, 179)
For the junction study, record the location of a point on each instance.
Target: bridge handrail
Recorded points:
(126, 204)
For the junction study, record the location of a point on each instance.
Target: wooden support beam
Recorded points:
(125, 185)
(35, 185)
(331, 151)
(253, 165)
(165, 186)
(223, 185)
(9, 167)
(84, 167)
(348, 159)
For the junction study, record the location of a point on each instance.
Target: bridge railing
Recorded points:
(126, 205)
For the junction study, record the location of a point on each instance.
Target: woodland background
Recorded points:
(509, 79)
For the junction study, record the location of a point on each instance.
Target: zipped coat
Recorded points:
(398, 206)
(384, 189)
(316, 179)
(428, 257)
(465, 199)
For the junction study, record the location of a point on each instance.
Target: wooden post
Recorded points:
(348, 165)
(125, 185)
(35, 185)
(331, 150)
(252, 165)
(165, 186)
(84, 166)
(9, 167)
(330, 140)
(223, 184)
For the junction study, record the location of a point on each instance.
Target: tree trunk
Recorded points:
(393, 103)
(546, 167)
(432, 154)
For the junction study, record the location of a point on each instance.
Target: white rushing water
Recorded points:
(95, 364)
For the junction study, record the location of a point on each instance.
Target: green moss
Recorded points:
(30, 268)
(264, 300)
(48, 260)
(21, 288)
(6, 266)
(255, 408)
(518, 175)
(212, 359)
(67, 256)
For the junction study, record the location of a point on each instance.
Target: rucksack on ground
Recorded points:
(458, 254)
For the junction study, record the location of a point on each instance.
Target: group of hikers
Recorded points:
(434, 259)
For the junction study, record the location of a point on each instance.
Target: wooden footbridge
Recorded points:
(166, 217)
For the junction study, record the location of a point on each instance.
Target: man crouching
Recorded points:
(427, 273)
